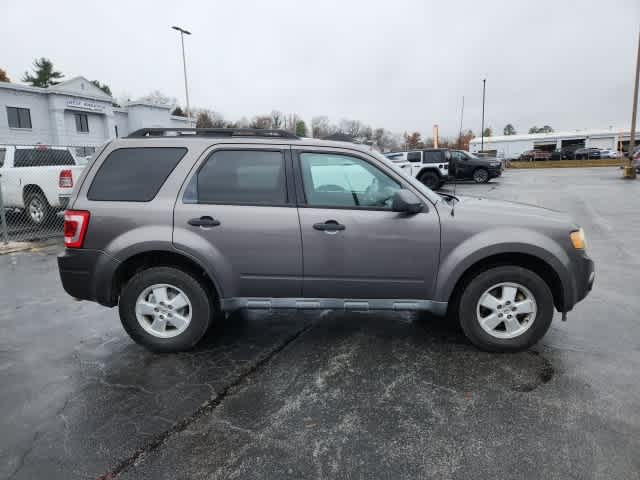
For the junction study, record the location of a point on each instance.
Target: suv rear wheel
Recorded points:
(165, 309)
(431, 180)
(506, 309)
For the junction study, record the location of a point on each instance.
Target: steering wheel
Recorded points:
(329, 187)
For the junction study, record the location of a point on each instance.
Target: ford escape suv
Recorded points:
(178, 226)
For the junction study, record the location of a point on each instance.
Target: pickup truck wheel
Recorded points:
(506, 309)
(37, 208)
(480, 175)
(165, 309)
(431, 180)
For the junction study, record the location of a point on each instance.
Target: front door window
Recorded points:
(333, 180)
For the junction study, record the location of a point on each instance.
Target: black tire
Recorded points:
(202, 308)
(485, 280)
(431, 180)
(480, 175)
(37, 208)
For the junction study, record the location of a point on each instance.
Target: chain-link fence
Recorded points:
(36, 182)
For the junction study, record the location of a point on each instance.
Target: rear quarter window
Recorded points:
(47, 157)
(134, 174)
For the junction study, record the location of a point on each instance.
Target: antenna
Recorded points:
(455, 180)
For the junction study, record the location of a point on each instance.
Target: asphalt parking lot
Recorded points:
(333, 395)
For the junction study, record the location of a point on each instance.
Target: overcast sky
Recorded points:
(400, 64)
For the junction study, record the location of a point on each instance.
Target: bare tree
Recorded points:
(353, 128)
(276, 119)
(210, 118)
(203, 120)
(158, 98)
(261, 122)
(320, 126)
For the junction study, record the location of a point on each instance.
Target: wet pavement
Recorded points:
(328, 394)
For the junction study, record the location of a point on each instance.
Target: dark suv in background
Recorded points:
(176, 227)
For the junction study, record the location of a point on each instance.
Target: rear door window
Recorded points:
(45, 157)
(134, 174)
(254, 177)
(433, 157)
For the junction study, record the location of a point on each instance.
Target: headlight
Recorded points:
(578, 239)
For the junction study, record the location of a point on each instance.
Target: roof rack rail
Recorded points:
(211, 132)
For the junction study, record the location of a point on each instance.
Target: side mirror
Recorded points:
(407, 202)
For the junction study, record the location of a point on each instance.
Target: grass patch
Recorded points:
(607, 162)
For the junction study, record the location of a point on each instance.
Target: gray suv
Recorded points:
(179, 226)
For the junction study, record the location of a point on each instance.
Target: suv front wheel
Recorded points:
(165, 309)
(506, 309)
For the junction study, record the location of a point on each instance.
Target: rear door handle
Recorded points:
(329, 226)
(205, 221)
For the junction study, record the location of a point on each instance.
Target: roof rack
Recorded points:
(211, 132)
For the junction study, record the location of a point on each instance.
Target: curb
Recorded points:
(14, 247)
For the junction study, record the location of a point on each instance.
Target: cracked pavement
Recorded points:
(331, 394)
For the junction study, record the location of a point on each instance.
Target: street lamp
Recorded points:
(184, 32)
(484, 84)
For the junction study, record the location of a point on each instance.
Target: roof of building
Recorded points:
(74, 87)
(552, 135)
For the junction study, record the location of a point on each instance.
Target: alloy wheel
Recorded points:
(506, 310)
(163, 310)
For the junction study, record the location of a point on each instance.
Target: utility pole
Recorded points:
(460, 132)
(184, 32)
(629, 171)
(484, 85)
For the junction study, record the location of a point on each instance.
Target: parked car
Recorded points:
(564, 153)
(587, 153)
(635, 158)
(37, 179)
(465, 165)
(435, 166)
(533, 155)
(178, 227)
(430, 166)
(609, 153)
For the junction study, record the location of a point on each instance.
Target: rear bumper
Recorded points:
(88, 275)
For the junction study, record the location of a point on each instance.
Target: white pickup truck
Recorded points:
(37, 179)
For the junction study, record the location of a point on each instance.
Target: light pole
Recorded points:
(629, 170)
(484, 84)
(184, 32)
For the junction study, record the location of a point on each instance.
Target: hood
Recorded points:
(500, 213)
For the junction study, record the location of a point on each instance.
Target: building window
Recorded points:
(82, 122)
(19, 117)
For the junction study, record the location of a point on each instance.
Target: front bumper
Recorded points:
(585, 277)
(495, 172)
(88, 275)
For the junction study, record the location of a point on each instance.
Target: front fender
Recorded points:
(457, 259)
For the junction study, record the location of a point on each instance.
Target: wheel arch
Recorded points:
(138, 261)
(30, 189)
(429, 169)
(532, 262)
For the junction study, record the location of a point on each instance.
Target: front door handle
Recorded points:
(329, 226)
(205, 221)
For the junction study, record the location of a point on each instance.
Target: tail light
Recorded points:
(75, 227)
(66, 179)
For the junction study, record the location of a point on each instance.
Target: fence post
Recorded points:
(3, 219)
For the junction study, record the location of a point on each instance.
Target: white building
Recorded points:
(75, 113)
(511, 146)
